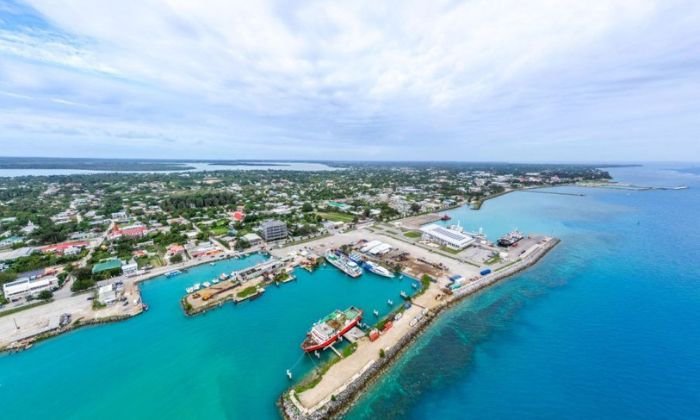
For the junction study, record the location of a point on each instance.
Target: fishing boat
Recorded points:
(197, 286)
(173, 273)
(510, 239)
(189, 290)
(377, 269)
(206, 284)
(223, 276)
(343, 263)
(445, 217)
(215, 281)
(329, 329)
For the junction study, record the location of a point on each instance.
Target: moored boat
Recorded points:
(510, 239)
(329, 329)
(377, 269)
(343, 263)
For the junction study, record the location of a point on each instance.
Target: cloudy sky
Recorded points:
(538, 80)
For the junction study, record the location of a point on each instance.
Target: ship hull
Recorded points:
(333, 339)
(338, 263)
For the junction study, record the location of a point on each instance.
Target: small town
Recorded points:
(61, 236)
(82, 264)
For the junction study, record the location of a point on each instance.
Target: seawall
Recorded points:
(341, 402)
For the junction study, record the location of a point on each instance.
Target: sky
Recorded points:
(537, 80)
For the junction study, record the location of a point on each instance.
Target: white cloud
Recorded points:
(336, 74)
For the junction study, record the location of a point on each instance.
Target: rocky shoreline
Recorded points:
(344, 400)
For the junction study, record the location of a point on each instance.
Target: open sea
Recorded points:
(606, 326)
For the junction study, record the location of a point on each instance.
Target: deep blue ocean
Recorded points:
(606, 326)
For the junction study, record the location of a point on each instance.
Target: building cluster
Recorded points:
(131, 222)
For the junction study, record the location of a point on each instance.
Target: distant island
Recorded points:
(246, 163)
(91, 164)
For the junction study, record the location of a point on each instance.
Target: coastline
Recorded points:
(340, 403)
(26, 343)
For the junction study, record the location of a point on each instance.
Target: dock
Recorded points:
(247, 284)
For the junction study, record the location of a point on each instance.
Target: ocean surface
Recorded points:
(230, 362)
(606, 326)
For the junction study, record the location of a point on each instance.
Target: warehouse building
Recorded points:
(446, 237)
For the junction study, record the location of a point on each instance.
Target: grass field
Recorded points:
(336, 217)
(414, 234)
(219, 230)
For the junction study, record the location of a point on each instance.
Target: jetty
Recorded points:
(242, 285)
(330, 390)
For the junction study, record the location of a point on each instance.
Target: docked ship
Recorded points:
(329, 329)
(343, 263)
(377, 269)
(510, 239)
(445, 217)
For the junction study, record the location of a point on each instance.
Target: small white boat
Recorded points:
(215, 281)
(389, 302)
(317, 354)
(414, 285)
(190, 289)
(375, 312)
(404, 295)
(197, 286)
(211, 263)
(206, 284)
(289, 374)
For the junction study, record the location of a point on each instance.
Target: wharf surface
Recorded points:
(343, 382)
(228, 290)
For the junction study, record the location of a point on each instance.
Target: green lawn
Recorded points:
(156, 261)
(250, 290)
(334, 216)
(219, 230)
(414, 234)
(450, 250)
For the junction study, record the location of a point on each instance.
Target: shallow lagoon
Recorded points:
(227, 363)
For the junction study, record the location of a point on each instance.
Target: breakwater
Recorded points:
(339, 402)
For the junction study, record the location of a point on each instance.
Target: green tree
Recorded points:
(242, 244)
(45, 295)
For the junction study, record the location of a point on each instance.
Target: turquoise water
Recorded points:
(226, 363)
(607, 326)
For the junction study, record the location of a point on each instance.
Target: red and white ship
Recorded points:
(329, 329)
